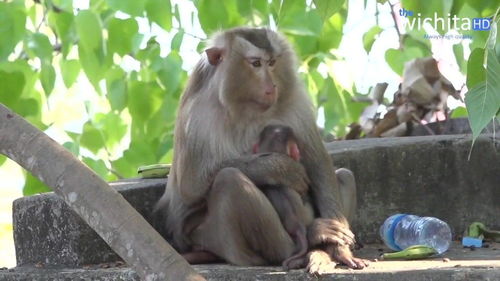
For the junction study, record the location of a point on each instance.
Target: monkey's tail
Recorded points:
(297, 260)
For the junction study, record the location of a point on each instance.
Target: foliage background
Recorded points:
(97, 76)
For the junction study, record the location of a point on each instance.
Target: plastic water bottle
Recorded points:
(401, 231)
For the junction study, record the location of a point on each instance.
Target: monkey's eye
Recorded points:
(271, 62)
(256, 63)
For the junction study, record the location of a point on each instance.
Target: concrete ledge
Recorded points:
(47, 231)
(463, 265)
(428, 176)
(419, 175)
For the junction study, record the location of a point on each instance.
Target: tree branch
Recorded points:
(99, 205)
(393, 14)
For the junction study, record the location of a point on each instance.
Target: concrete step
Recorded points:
(458, 264)
(429, 175)
(47, 231)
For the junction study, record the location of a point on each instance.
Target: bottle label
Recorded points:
(390, 237)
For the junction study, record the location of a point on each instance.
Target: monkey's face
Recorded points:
(279, 139)
(250, 76)
(249, 63)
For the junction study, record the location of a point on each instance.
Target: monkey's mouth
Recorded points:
(263, 106)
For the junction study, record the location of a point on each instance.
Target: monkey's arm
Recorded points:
(319, 167)
(271, 169)
(332, 226)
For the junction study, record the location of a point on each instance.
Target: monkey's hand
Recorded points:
(329, 231)
(279, 169)
(342, 254)
(271, 169)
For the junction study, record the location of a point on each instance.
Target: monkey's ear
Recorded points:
(255, 148)
(293, 151)
(214, 55)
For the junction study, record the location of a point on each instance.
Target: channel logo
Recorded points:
(481, 24)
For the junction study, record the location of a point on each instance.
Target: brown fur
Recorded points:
(286, 201)
(221, 113)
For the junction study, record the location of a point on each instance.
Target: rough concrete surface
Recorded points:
(429, 175)
(47, 231)
(463, 265)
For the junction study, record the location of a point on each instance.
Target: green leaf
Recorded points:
(333, 109)
(140, 152)
(254, 9)
(483, 101)
(111, 127)
(12, 27)
(169, 70)
(160, 12)
(116, 88)
(91, 138)
(3, 158)
(301, 22)
(94, 65)
(65, 5)
(117, 94)
(12, 87)
(459, 112)
(283, 8)
(125, 168)
(39, 44)
(326, 8)
(143, 100)
(177, 40)
(212, 15)
(73, 147)
(397, 58)
(216, 15)
(477, 104)
(63, 23)
(131, 7)
(34, 186)
(89, 29)
(48, 78)
(30, 76)
(331, 34)
(339, 108)
(98, 166)
(121, 35)
(306, 45)
(475, 69)
(158, 124)
(69, 70)
(27, 107)
(370, 36)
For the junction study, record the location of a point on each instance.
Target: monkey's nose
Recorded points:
(270, 90)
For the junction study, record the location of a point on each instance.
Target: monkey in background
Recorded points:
(246, 80)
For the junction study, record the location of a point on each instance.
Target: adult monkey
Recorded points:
(247, 80)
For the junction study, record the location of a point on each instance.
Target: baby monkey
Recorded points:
(275, 169)
(287, 202)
